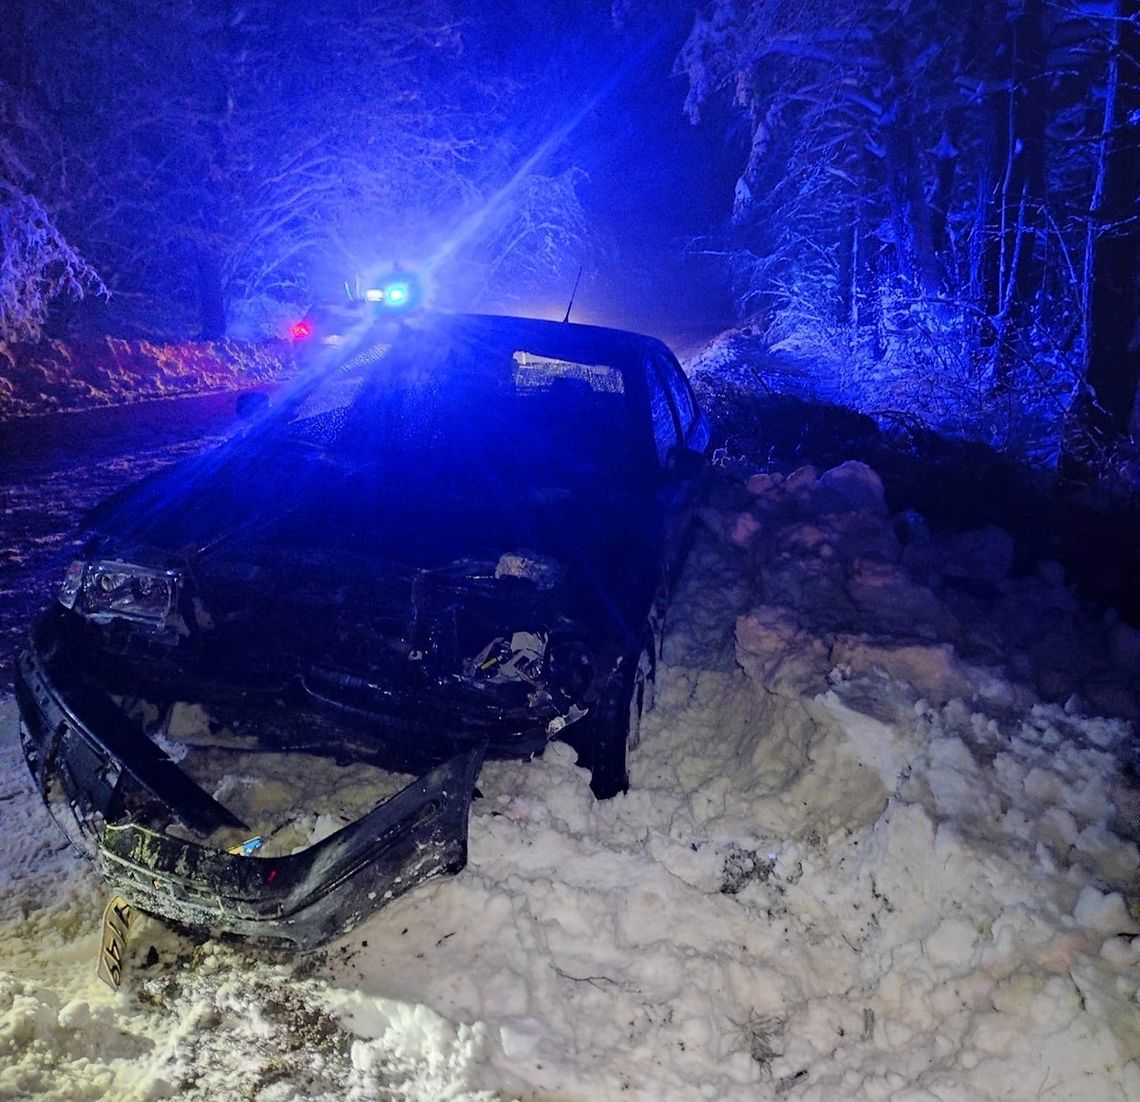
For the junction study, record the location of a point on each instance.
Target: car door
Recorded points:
(678, 424)
(691, 425)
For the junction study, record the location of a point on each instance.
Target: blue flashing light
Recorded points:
(399, 293)
(396, 293)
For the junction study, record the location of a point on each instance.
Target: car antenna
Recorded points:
(570, 307)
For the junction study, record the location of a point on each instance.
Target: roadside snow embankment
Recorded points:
(57, 376)
(878, 846)
(985, 894)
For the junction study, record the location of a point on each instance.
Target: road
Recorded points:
(54, 468)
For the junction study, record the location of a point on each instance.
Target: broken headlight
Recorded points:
(105, 590)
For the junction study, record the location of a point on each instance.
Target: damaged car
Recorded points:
(263, 695)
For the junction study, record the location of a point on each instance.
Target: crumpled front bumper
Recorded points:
(304, 898)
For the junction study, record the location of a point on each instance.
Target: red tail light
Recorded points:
(300, 330)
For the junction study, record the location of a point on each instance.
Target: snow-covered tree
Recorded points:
(921, 191)
(224, 152)
(37, 263)
(1111, 273)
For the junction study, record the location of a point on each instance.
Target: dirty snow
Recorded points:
(880, 844)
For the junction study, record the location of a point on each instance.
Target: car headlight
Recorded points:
(107, 590)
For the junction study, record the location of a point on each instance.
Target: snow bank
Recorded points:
(862, 858)
(52, 376)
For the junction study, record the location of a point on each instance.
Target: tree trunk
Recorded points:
(1114, 331)
(984, 120)
(906, 192)
(211, 300)
(16, 54)
(847, 260)
(1023, 187)
(1032, 112)
(1103, 411)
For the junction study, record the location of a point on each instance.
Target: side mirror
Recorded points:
(251, 404)
(684, 463)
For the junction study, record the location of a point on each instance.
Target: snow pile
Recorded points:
(52, 376)
(863, 857)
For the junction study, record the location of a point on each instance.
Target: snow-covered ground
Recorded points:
(876, 847)
(52, 376)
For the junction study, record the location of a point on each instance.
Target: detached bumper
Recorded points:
(304, 898)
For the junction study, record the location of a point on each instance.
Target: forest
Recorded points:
(933, 206)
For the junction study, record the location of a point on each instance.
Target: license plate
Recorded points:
(118, 917)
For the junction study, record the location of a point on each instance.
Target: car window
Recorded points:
(679, 390)
(532, 370)
(664, 421)
(319, 416)
(480, 404)
(576, 410)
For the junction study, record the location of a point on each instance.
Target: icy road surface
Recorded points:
(862, 858)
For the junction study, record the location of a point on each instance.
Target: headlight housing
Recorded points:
(107, 590)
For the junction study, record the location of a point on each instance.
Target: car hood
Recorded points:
(291, 497)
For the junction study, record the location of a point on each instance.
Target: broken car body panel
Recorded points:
(443, 543)
(304, 898)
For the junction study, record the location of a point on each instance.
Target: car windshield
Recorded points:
(504, 405)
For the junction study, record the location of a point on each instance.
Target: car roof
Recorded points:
(558, 337)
